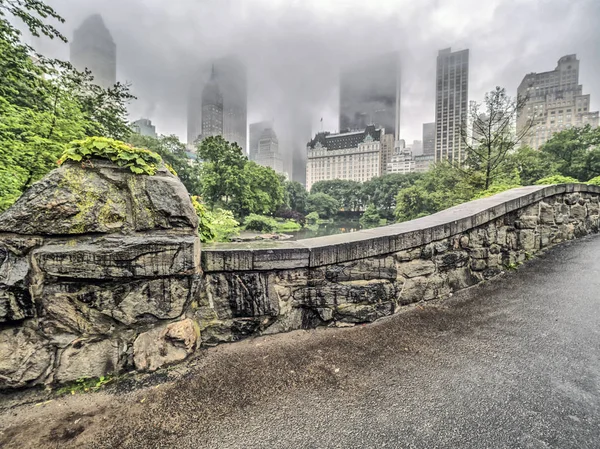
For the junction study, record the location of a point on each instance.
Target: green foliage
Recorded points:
(260, 223)
(594, 181)
(296, 196)
(382, 191)
(347, 193)
(288, 226)
(556, 179)
(441, 187)
(205, 228)
(223, 224)
(530, 165)
(173, 153)
(325, 205)
(313, 217)
(138, 160)
(261, 191)
(370, 217)
(46, 104)
(576, 152)
(86, 385)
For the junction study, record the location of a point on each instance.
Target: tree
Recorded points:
(296, 196)
(323, 204)
(530, 165)
(370, 218)
(381, 191)
(492, 136)
(173, 152)
(221, 170)
(261, 191)
(44, 105)
(576, 152)
(347, 193)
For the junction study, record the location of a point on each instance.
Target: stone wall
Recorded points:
(357, 278)
(97, 269)
(100, 270)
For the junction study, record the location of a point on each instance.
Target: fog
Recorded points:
(294, 49)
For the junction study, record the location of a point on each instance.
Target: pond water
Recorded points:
(336, 227)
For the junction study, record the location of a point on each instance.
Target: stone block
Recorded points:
(165, 345)
(408, 255)
(122, 257)
(451, 260)
(578, 212)
(460, 278)
(85, 307)
(528, 240)
(15, 299)
(364, 292)
(25, 358)
(546, 213)
(363, 269)
(527, 222)
(242, 294)
(424, 288)
(416, 268)
(89, 358)
(363, 313)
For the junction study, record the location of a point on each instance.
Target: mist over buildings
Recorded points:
(294, 51)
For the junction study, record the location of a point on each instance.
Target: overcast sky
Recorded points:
(294, 48)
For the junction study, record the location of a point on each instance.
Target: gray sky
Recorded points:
(294, 48)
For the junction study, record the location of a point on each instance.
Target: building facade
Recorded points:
(255, 132)
(212, 109)
(555, 102)
(401, 162)
(354, 156)
(423, 162)
(93, 48)
(268, 151)
(429, 139)
(387, 151)
(370, 94)
(230, 75)
(451, 106)
(144, 127)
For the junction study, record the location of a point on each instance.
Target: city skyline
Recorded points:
(289, 65)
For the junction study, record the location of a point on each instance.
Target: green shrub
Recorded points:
(260, 223)
(370, 217)
(288, 226)
(494, 189)
(556, 179)
(138, 160)
(205, 230)
(313, 217)
(594, 181)
(224, 225)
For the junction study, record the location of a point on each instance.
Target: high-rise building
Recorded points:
(300, 132)
(387, 151)
(144, 127)
(255, 132)
(268, 151)
(416, 147)
(212, 108)
(555, 101)
(452, 99)
(354, 155)
(401, 162)
(370, 94)
(93, 48)
(429, 139)
(230, 74)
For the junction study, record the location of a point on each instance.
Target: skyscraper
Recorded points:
(268, 151)
(144, 127)
(256, 129)
(212, 108)
(230, 75)
(555, 102)
(93, 48)
(452, 99)
(370, 94)
(429, 139)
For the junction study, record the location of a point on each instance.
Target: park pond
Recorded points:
(310, 230)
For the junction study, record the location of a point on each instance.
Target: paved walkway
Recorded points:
(514, 363)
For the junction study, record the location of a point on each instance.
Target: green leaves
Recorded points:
(139, 161)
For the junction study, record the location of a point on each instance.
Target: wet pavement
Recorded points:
(513, 363)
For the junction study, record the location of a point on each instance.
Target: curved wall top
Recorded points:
(319, 251)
